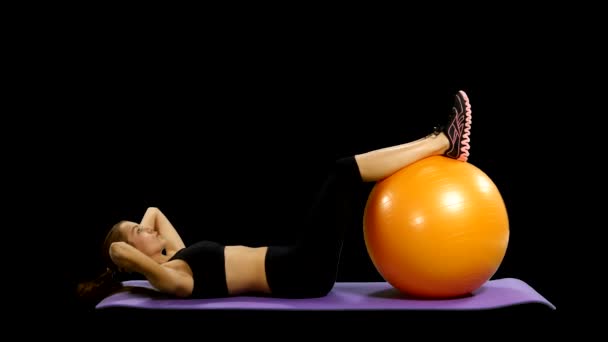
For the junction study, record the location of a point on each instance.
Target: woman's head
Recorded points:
(145, 239)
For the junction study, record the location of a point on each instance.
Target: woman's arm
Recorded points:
(156, 219)
(165, 279)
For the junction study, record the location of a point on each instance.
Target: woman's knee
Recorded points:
(346, 165)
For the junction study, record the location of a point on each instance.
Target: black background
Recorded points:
(229, 131)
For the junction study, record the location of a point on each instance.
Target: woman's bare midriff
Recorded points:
(245, 269)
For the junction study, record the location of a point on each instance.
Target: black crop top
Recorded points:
(206, 259)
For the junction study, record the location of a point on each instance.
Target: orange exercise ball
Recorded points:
(437, 228)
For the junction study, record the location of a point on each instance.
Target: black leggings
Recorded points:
(309, 268)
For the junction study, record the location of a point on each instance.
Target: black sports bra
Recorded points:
(206, 259)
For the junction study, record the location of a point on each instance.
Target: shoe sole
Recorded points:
(465, 140)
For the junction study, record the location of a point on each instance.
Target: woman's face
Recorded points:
(145, 239)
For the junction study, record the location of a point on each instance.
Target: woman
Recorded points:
(205, 269)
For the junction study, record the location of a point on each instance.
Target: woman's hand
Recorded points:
(119, 253)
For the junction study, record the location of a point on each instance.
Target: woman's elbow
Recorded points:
(178, 288)
(182, 291)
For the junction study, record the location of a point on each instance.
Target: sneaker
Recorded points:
(458, 129)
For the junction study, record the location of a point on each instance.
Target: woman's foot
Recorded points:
(458, 128)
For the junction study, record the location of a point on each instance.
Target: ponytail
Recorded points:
(95, 290)
(110, 280)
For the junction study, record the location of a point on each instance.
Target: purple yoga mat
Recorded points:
(344, 296)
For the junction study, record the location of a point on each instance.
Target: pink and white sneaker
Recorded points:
(458, 128)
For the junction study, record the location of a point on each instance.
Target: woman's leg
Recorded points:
(309, 268)
(451, 140)
(378, 164)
